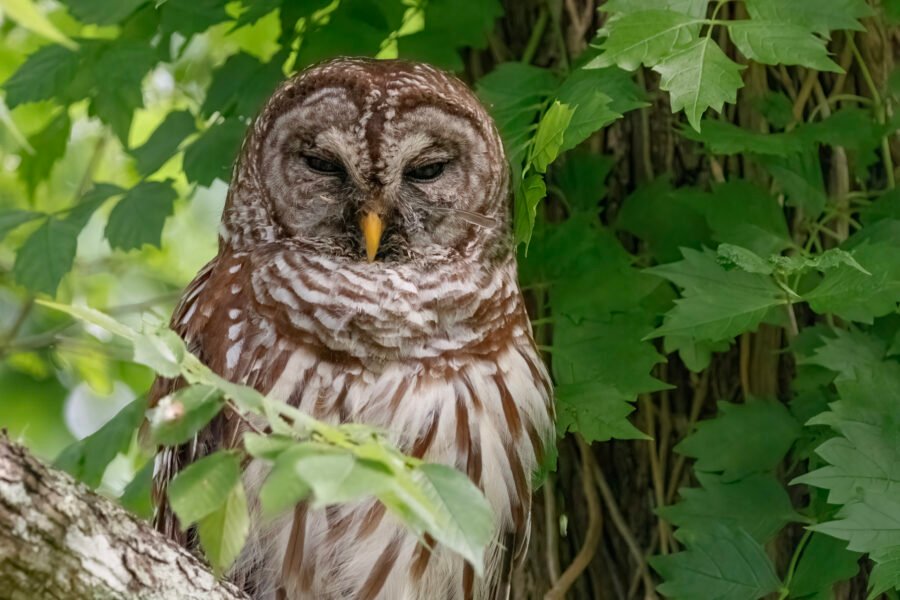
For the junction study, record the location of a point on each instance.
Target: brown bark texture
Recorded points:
(58, 539)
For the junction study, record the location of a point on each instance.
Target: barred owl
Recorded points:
(366, 273)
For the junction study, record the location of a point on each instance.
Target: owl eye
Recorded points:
(321, 165)
(428, 172)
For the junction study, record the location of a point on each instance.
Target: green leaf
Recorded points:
(596, 410)
(716, 304)
(824, 562)
(851, 464)
(819, 16)
(337, 477)
(722, 137)
(268, 447)
(581, 179)
(743, 439)
(885, 574)
(588, 92)
(800, 177)
(11, 219)
(743, 214)
(102, 13)
(117, 74)
(696, 355)
(163, 351)
(731, 256)
(224, 531)
(591, 114)
(139, 217)
(885, 207)
(51, 142)
(513, 93)
(869, 524)
(469, 525)
(449, 26)
(284, 486)
(581, 351)
(118, 92)
(164, 141)
(212, 155)
(843, 352)
(757, 504)
(241, 85)
(699, 76)
(694, 8)
(86, 460)
(780, 43)
(178, 417)
(830, 259)
(548, 140)
(45, 74)
(665, 219)
(203, 486)
(643, 37)
(355, 28)
(856, 129)
(577, 255)
(47, 255)
(720, 562)
(137, 495)
(527, 196)
(27, 14)
(776, 107)
(191, 16)
(853, 295)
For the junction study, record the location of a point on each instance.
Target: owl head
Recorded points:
(372, 160)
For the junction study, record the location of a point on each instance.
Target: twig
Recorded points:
(594, 530)
(812, 76)
(551, 527)
(659, 491)
(621, 526)
(701, 389)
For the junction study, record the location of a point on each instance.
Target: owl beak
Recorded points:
(372, 227)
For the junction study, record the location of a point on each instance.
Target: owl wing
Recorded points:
(190, 320)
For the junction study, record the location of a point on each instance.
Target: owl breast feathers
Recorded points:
(366, 274)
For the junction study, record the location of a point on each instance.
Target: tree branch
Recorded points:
(58, 539)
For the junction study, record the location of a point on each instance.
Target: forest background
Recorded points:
(709, 239)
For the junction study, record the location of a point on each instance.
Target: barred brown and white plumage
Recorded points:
(366, 273)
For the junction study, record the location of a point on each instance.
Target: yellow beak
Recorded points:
(372, 227)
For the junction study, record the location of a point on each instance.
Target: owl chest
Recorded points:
(487, 417)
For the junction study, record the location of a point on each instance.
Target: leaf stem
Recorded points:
(536, 34)
(786, 589)
(879, 111)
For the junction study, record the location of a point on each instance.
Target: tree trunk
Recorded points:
(58, 539)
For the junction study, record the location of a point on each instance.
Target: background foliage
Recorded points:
(709, 240)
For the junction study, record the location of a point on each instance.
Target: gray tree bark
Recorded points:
(58, 539)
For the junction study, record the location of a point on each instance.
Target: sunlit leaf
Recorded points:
(203, 487)
(644, 37)
(223, 532)
(27, 14)
(698, 77)
(86, 460)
